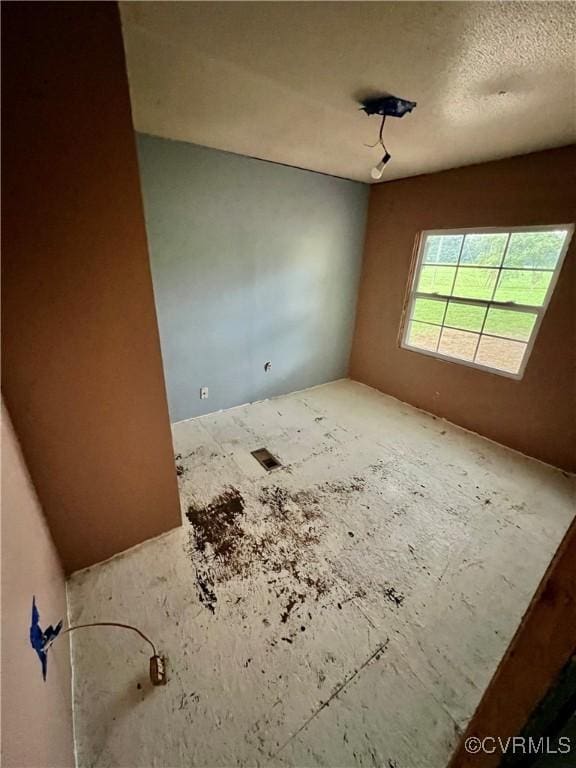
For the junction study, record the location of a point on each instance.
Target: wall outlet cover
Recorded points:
(203, 393)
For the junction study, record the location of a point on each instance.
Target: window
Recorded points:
(478, 296)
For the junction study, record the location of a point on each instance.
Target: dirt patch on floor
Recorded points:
(217, 525)
(277, 533)
(392, 594)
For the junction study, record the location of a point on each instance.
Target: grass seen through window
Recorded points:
(478, 296)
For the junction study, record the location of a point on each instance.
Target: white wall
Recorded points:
(36, 715)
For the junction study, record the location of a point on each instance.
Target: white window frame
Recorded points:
(412, 294)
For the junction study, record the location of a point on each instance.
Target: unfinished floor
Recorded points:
(347, 609)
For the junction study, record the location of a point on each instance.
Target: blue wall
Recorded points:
(251, 261)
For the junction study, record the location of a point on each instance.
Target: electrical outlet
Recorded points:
(203, 393)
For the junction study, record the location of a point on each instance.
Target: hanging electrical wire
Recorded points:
(380, 138)
(378, 170)
(390, 106)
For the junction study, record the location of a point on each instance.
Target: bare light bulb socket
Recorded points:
(378, 170)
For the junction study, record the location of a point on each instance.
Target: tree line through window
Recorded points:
(478, 296)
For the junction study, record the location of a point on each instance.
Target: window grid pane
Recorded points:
(466, 317)
(423, 335)
(460, 344)
(477, 296)
(504, 354)
(475, 282)
(510, 324)
(535, 250)
(429, 310)
(523, 286)
(484, 250)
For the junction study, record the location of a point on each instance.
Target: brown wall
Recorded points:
(534, 415)
(36, 715)
(82, 374)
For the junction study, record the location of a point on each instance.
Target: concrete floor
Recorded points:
(346, 610)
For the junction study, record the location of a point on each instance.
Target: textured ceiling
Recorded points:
(280, 80)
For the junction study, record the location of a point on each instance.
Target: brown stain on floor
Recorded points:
(278, 536)
(217, 524)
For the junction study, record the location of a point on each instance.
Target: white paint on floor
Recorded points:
(348, 609)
